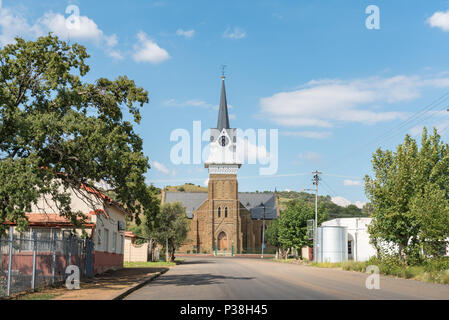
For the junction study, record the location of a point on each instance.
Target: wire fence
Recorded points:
(36, 260)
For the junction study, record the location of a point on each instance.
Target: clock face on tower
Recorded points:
(223, 141)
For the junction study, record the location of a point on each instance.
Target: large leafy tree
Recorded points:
(169, 226)
(60, 132)
(292, 229)
(409, 193)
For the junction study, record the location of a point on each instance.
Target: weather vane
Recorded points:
(223, 67)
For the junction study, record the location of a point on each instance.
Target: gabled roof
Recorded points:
(106, 198)
(190, 200)
(48, 220)
(251, 201)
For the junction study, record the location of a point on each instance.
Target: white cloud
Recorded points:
(343, 202)
(58, 24)
(359, 204)
(312, 157)
(185, 33)
(440, 20)
(188, 103)
(246, 150)
(148, 51)
(13, 24)
(234, 33)
(308, 134)
(352, 183)
(206, 182)
(160, 167)
(322, 103)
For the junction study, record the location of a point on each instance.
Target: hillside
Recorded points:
(334, 210)
(187, 187)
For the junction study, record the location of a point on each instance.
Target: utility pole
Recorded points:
(263, 228)
(316, 179)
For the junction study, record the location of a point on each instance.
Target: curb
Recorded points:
(128, 291)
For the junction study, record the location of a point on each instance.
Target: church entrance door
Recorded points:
(222, 241)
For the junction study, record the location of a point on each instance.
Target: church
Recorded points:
(224, 220)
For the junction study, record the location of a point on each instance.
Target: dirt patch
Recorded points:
(102, 287)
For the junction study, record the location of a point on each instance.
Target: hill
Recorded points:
(186, 187)
(334, 210)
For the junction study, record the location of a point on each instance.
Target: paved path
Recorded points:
(210, 278)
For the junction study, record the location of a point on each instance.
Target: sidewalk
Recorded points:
(111, 285)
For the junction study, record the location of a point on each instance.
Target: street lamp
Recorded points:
(263, 228)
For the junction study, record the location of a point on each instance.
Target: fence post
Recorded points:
(11, 238)
(70, 252)
(53, 262)
(33, 276)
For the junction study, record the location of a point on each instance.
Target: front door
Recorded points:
(222, 241)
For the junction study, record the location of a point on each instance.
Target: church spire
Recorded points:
(223, 118)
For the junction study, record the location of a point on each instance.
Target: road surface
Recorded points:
(220, 278)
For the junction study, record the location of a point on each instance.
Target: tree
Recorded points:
(367, 209)
(59, 132)
(409, 193)
(272, 234)
(170, 225)
(292, 231)
(431, 208)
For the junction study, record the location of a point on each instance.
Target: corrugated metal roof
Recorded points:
(251, 201)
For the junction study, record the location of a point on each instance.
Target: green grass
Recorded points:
(152, 264)
(431, 270)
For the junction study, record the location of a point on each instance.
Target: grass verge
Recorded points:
(152, 264)
(431, 270)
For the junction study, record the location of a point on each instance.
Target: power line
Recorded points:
(395, 130)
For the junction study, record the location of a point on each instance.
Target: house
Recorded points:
(105, 225)
(359, 246)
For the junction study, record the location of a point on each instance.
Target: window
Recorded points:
(106, 240)
(114, 242)
(219, 212)
(349, 247)
(121, 244)
(226, 212)
(99, 239)
(223, 141)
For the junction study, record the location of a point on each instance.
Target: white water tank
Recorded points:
(332, 244)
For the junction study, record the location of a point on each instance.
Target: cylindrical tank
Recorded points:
(332, 244)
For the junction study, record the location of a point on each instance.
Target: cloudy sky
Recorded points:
(334, 89)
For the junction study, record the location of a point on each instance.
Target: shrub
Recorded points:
(436, 264)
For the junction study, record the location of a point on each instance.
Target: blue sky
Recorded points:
(310, 69)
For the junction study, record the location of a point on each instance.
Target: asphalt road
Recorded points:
(211, 278)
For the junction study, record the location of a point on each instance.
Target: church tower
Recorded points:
(224, 205)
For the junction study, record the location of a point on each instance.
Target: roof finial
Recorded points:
(223, 67)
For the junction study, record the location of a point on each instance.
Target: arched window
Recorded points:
(226, 212)
(219, 212)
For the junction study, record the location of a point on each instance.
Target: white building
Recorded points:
(359, 248)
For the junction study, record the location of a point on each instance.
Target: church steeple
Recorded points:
(223, 118)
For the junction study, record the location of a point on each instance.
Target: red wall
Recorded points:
(104, 261)
(24, 263)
